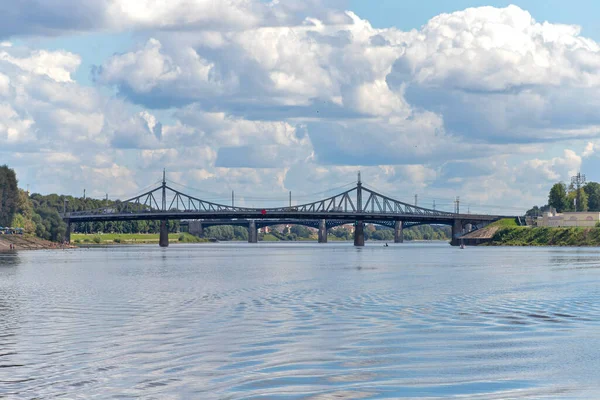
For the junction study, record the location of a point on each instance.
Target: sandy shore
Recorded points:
(27, 243)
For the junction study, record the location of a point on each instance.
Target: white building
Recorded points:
(553, 219)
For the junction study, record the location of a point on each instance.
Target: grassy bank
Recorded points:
(524, 236)
(131, 238)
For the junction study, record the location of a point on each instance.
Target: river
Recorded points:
(296, 321)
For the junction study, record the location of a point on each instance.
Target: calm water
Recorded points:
(281, 321)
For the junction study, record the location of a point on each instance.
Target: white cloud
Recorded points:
(498, 75)
(277, 96)
(236, 14)
(57, 65)
(557, 168)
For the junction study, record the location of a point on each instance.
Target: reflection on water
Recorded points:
(300, 321)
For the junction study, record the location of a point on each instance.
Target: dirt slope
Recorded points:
(25, 243)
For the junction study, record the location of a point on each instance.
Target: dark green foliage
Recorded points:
(592, 190)
(300, 231)
(557, 197)
(226, 233)
(421, 232)
(9, 195)
(428, 232)
(49, 225)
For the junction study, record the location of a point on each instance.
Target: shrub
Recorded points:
(97, 239)
(117, 240)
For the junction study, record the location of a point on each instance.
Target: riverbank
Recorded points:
(131, 238)
(533, 236)
(24, 242)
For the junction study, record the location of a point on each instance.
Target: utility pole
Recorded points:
(578, 181)
(457, 205)
(232, 199)
(290, 199)
(84, 194)
(164, 190)
(416, 199)
(434, 204)
(359, 194)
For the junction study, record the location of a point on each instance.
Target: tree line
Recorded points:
(296, 232)
(565, 198)
(39, 214)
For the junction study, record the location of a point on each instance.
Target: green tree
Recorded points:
(592, 189)
(300, 231)
(50, 226)
(240, 232)
(9, 195)
(558, 197)
(536, 211)
(578, 198)
(582, 200)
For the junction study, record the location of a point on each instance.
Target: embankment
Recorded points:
(26, 243)
(526, 236)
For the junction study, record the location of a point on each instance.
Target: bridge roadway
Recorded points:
(357, 205)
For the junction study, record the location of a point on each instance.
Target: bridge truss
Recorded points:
(356, 204)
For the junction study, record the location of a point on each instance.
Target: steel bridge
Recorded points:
(357, 205)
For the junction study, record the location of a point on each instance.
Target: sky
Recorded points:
(491, 101)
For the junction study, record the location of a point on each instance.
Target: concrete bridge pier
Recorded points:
(457, 232)
(399, 232)
(322, 231)
(68, 233)
(252, 232)
(163, 240)
(196, 228)
(359, 234)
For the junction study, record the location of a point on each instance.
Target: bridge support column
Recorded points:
(359, 234)
(457, 231)
(399, 232)
(68, 233)
(252, 232)
(322, 231)
(163, 240)
(196, 228)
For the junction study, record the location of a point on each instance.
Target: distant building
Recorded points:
(552, 219)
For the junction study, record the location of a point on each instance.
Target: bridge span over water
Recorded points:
(358, 205)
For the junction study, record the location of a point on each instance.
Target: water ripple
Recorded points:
(195, 322)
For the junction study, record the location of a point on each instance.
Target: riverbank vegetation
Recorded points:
(529, 236)
(130, 238)
(565, 198)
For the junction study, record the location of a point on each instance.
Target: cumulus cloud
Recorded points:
(287, 95)
(498, 75)
(295, 68)
(58, 65)
(59, 17)
(557, 168)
